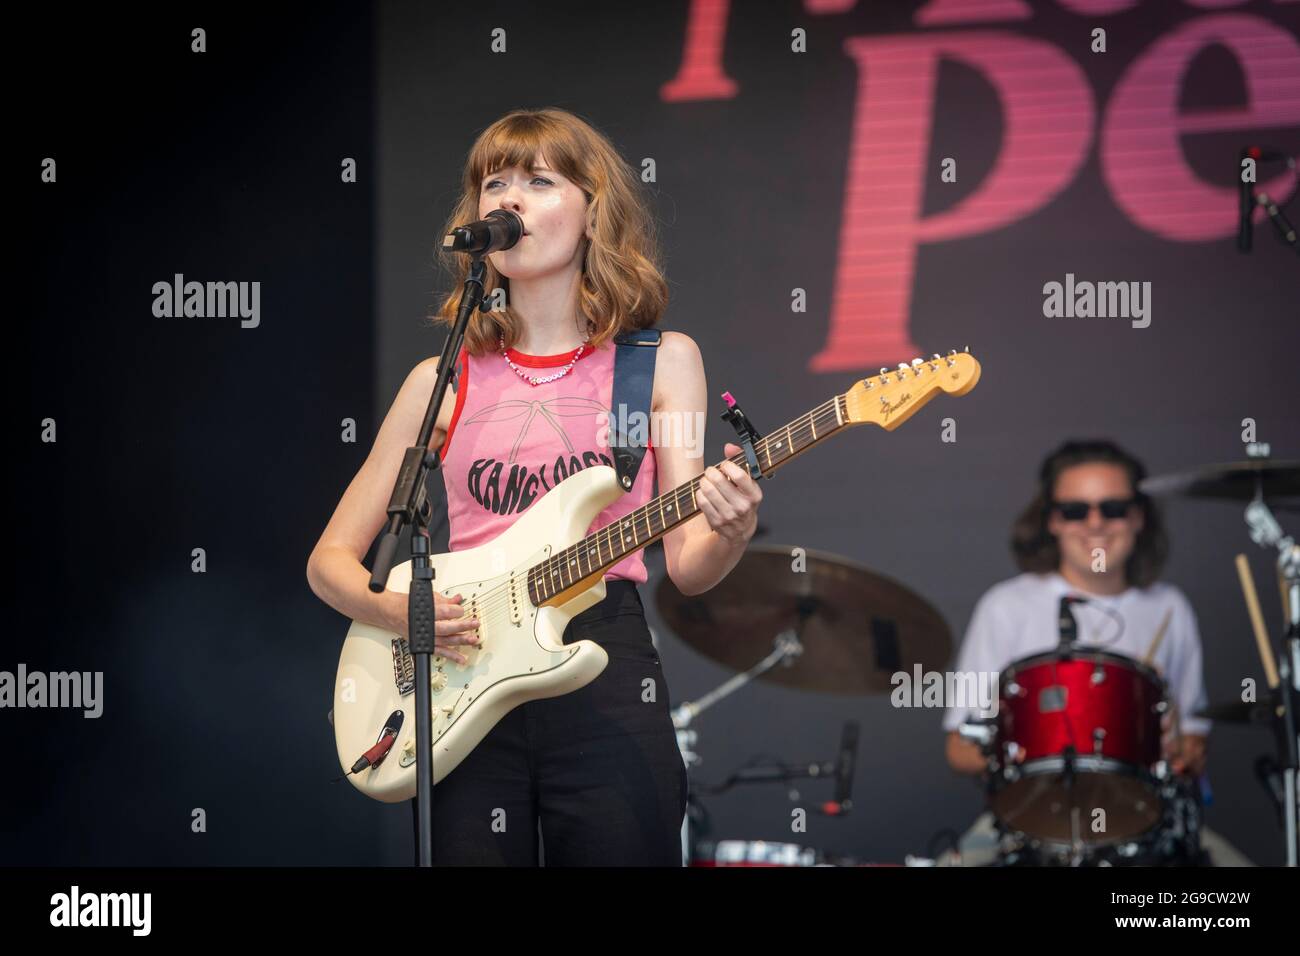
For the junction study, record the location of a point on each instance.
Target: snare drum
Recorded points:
(1087, 724)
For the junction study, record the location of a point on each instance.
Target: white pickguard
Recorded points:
(522, 656)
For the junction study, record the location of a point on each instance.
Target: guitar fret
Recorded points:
(606, 546)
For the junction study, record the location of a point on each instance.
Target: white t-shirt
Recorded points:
(1018, 617)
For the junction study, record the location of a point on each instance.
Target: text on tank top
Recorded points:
(514, 442)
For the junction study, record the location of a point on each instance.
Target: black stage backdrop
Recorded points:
(795, 146)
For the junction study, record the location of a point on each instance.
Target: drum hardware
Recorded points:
(1267, 486)
(817, 613)
(786, 648)
(699, 851)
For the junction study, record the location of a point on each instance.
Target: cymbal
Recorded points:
(859, 626)
(1236, 481)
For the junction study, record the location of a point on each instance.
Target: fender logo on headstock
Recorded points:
(902, 400)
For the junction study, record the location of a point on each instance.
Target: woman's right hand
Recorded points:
(450, 625)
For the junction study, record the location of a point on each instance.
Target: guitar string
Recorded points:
(497, 598)
(545, 567)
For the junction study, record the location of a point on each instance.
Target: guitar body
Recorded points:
(522, 656)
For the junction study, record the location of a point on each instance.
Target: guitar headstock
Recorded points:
(892, 397)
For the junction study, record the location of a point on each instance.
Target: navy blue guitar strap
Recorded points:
(629, 415)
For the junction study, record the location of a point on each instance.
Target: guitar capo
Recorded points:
(735, 416)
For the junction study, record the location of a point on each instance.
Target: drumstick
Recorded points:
(1160, 636)
(1256, 620)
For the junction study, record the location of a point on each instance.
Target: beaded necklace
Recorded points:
(545, 378)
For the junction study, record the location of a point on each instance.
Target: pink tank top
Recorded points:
(514, 442)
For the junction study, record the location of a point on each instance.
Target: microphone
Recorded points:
(1246, 200)
(499, 231)
(842, 801)
(1068, 626)
(1261, 155)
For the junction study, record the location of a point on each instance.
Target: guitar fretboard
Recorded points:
(605, 547)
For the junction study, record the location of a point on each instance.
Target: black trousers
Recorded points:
(597, 771)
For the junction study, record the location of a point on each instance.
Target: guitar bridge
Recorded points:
(403, 667)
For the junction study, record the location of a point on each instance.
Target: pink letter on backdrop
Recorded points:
(1047, 126)
(701, 76)
(829, 6)
(946, 12)
(1141, 153)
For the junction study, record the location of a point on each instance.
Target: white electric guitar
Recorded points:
(528, 583)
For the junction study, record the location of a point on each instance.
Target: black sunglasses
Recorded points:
(1111, 508)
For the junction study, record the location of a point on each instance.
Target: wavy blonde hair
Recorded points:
(622, 286)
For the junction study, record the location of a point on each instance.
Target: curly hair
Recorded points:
(1037, 550)
(623, 286)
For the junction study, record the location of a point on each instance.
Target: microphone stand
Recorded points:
(1286, 232)
(408, 506)
(1068, 627)
(1266, 532)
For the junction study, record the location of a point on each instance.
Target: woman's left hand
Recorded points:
(729, 498)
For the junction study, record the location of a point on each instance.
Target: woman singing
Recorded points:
(596, 771)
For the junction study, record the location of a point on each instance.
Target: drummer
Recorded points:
(1090, 533)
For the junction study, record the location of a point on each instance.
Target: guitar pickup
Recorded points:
(518, 591)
